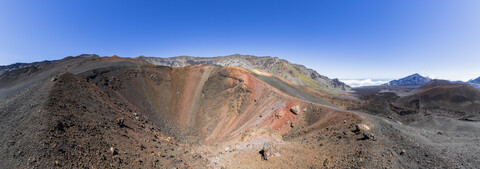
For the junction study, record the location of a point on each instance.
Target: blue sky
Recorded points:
(346, 39)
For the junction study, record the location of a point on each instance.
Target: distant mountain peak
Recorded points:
(414, 75)
(413, 80)
(477, 80)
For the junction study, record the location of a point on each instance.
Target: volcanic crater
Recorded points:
(112, 112)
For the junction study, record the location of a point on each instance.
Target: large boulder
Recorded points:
(295, 110)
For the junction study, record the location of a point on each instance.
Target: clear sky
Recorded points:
(346, 39)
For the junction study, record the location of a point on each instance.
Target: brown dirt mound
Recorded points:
(452, 100)
(433, 83)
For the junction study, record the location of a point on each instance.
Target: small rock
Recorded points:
(402, 152)
(291, 125)
(266, 151)
(367, 136)
(295, 110)
(138, 161)
(364, 131)
(60, 126)
(114, 151)
(54, 79)
(304, 109)
(278, 115)
(362, 127)
(120, 122)
(439, 133)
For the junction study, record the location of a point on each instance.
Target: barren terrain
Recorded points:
(111, 112)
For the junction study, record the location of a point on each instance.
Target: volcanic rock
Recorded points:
(295, 110)
(266, 151)
(120, 122)
(113, 151)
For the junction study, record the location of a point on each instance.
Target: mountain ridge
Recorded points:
(299, 74)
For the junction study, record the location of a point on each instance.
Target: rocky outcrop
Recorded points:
(298, 74)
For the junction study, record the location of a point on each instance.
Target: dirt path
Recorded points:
(21, 124)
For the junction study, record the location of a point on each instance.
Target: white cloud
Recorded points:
(363, 82)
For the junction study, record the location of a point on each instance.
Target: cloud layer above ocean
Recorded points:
(363, 82)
